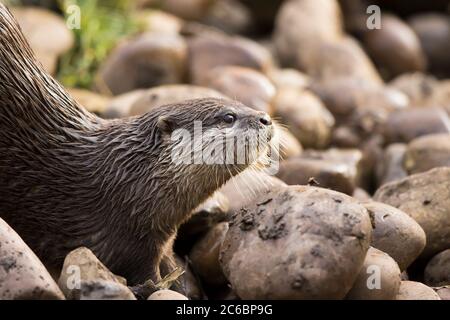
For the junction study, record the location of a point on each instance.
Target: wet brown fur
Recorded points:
(69, 178)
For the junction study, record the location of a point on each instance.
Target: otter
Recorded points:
(69, 178)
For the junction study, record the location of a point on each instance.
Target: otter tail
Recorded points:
(30, 99)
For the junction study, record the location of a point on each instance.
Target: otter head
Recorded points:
(216, 137)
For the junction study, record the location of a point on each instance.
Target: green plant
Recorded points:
(11, 2)
(102, 24)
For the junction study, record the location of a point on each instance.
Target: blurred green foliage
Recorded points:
(12, 2)
(102, 24)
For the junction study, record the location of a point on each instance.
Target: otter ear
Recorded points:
(166, 125)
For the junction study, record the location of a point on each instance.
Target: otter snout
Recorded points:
(265, 119)
(258, 120)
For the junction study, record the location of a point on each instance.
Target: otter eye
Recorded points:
(229, 118)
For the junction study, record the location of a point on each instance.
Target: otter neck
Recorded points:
(128, 162)
(182, 187)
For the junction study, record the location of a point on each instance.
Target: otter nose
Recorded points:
(265, 119)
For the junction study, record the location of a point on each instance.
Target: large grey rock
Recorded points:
(168, 94)
(396, 233)
(47, 34)
(336, 169)
(84, 277)
(426, 198)
(390, 167)
(22, 274)
(428, 152)
(167, 295)
(249, 187)
(208, 52)
(300, 24)
(305, 116)
(103, 290)
(377, 265)
(246, 85)
(204, 255)
(149, 60)
(298, 242)
(411, 123)
(411, 290)
(437, 271)
(443, 292)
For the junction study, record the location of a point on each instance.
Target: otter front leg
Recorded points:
(167, 263)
